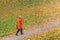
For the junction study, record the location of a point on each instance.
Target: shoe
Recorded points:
(21, 33)
(16, 35)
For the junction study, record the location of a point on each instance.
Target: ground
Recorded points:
(38, 15)
(39, 30)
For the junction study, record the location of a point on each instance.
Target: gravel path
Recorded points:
(40, 29)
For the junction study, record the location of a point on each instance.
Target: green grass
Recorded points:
(11, 9)
(51, 35)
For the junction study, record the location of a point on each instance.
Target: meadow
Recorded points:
(33, 12)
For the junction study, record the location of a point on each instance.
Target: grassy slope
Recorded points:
(51, 35)
(32, 12)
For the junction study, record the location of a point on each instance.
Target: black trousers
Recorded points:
(18, 31)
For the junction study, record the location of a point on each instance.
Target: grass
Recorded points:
(51, 35)
(32, 12)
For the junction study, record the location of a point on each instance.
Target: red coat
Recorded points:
(19, 23)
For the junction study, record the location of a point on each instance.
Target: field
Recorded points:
(51, 35)
(33, 12)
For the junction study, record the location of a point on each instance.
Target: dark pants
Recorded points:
(18, 31)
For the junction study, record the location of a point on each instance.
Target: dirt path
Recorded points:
(40, 29)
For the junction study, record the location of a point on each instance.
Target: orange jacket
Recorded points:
(19, 23)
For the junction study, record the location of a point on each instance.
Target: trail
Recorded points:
(42, 28)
